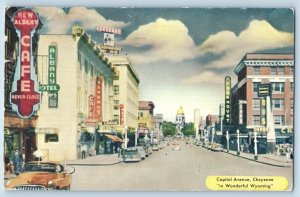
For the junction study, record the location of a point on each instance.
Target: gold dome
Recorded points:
(180, 111)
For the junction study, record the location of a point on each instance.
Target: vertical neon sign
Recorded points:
(25, 96)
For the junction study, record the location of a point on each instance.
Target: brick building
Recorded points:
(276, 70)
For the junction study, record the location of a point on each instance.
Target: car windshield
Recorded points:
(131, 152)
(40, 168)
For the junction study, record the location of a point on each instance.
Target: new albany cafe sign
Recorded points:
(25, 96)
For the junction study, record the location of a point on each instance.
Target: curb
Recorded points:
(93, 164)
(276, 165)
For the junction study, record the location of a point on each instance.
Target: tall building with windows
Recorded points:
(276, 70)
(125, 93)
(76, 85)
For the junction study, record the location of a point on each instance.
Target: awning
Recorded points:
(114, 138)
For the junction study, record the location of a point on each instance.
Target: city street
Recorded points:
(171, 170)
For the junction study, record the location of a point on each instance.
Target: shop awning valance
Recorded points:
(114, 138)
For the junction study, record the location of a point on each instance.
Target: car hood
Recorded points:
(32, 178)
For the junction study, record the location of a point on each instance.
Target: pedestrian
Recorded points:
(7, 165)
(17, 161)
(37, 154)
(288, 154)
(83, 151)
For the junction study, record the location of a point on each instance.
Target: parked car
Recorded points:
(131, 154)
(41, 176)
(142, 152)
(155, 146)
(147, 148)
(176, 146)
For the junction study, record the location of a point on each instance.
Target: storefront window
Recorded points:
(51, 138)
(53, 100)
(256, 120)
(12, 142)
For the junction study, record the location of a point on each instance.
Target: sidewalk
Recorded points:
(97, 160)
(269, 159)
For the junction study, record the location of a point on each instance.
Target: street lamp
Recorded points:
(238, 142)
(255, 146)
(227, 138)
(136, 137)
(126, 139)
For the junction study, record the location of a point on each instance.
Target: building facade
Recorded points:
(158, 126)
(277, 71)
(76, 89)
(146, 117)
(196, 122)
(125, 93)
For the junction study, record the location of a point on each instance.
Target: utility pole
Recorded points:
(227, 138)
(126, 139)
(255, 145)
(238, 142)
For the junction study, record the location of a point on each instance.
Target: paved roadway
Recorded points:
(171, 170)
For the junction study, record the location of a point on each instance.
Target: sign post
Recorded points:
(265, 92)
(227, 138)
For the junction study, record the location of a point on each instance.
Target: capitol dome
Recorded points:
(180, 111)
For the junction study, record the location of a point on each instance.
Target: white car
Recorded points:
(141, 151)
(176, 146)
(131, 154)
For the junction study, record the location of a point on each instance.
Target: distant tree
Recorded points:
(188, 129)
(168, 128)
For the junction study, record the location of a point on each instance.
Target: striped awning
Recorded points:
(114, 138)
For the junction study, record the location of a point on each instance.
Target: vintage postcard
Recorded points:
(148, 99)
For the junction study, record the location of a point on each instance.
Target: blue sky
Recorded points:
(183, 54)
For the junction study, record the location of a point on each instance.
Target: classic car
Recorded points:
(142, 152)
(131, 154)
(41, 176)
(176, 146)
(155, 146)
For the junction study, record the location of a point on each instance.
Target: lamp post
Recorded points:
(227, 138)
(213, 133)
(255, 146)
(126, 139)
(135, 137)
(238, 142)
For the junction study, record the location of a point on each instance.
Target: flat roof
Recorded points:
(273, 56)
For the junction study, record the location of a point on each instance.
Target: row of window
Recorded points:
(274, 70)
(276, 103)
(279, 120)
(277, 87)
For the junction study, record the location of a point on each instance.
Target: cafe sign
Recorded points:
(25, 95)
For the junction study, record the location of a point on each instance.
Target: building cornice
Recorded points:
(271, 78)
(262, 62)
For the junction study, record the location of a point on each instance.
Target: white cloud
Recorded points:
(169, 41)
(260, 35)
(205, 77)
(58, 22)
